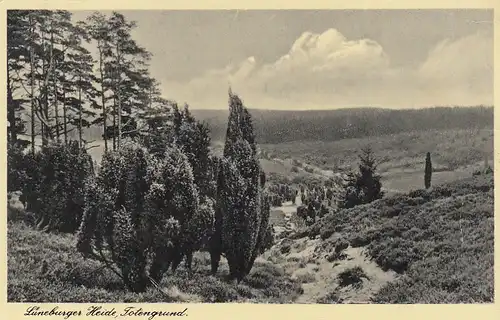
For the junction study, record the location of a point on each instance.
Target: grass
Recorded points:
(440, 241)
(304, 276)
(45, 267)
(330, 298)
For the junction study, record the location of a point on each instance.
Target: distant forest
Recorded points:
(272, 126)
(331, 125)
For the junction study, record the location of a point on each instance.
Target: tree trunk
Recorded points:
(50, 68)
(11, 114)
(114, 123)
(54, 79)
(32, 85)
(80, 104)
(215, 250)
(118, 91)
(56, 107)
(42, 132)
(151, 98)
(44, 95)
(119, 120)
(65, 119)
(103, 101)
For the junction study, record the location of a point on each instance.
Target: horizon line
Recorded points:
(350, 108)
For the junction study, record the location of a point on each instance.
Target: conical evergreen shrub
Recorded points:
(241, 219)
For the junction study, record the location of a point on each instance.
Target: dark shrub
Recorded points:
(147, 211)
(55, 185)
(352, 276)
(364, 186)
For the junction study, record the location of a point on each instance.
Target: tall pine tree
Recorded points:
(17, 60)
(128, 76)
(99, 30)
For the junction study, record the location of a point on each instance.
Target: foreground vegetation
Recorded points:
(46, 267)
(440, 241)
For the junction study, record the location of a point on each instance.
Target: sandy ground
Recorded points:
(319, 276)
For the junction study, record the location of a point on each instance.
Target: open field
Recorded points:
(450, 149)
(455, 155)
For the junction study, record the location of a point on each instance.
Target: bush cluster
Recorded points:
(143, 214)
(153, 202)
(52, 182)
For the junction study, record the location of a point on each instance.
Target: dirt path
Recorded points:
(281, 217)
(306, 263)
(326, 279)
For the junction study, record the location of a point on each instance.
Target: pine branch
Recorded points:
(135, 130)
(91, 147)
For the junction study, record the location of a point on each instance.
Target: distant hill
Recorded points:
(273, 126)
(284, 126)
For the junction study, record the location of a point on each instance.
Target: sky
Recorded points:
(319, 59)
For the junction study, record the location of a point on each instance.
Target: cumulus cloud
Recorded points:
(329, 71)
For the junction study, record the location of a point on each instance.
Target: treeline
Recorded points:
(330, 125)
(56, 89)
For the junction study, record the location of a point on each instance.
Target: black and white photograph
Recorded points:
(284, 156)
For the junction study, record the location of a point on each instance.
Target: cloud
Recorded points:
(329, 71)
(327, 54)
(461, 70)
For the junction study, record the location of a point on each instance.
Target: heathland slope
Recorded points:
(431, 246)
